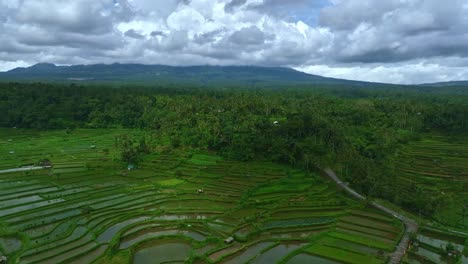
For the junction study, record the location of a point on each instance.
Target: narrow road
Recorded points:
(410, 225)
(30, 168)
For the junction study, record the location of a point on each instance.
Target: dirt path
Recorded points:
(410, 225)
(31, 168)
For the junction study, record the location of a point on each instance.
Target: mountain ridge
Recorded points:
(200, 75)
(447, 84)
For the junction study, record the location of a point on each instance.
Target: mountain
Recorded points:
(447, 84)
(251, 76)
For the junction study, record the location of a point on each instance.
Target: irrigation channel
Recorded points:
(410, 225)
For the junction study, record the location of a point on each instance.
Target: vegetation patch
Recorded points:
(341, 255)
(170, 182)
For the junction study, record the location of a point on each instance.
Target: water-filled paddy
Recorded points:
(160, 253)
(248, 254)
(10, 244)
(19, 201)
(438, 242)
(277, 253)
(156, 234)
(109, 233)
(306, 258)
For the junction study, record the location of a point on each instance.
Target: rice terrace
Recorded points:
(88, 208)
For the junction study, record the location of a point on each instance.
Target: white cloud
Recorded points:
(410, 73)
(7, 65)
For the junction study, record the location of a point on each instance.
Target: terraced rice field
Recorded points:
(430, 245)
(176, 208)
(439, 165)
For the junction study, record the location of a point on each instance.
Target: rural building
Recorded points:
(229, 240)
(200, 191)
(3, 259)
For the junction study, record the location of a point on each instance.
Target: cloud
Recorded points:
(395, 30)
(233, 4)
(400, 41)
(131, 33)
(248, 36)
(79, 16)
(408, 73)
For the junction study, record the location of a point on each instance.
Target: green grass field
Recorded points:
(90, 209)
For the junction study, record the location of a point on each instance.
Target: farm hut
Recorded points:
(229, 240)
(131, 167)
(200, 191)
(12, 152)
(3, 259)
(93, 146)
(276, 123)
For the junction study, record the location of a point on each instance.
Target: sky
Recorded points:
(393, 41)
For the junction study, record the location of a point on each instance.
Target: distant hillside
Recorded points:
(205, 76)
(447, 84)
(251, 76)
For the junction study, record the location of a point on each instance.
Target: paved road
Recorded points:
(410, 225)
(30, 168)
